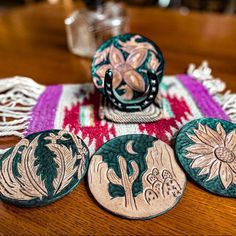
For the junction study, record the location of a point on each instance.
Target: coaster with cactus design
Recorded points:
(136, 176)
(42, 168)
(206, 148)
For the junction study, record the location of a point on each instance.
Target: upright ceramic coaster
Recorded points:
(127, 70)
(136, 176)
(42, 168)
(206, 148)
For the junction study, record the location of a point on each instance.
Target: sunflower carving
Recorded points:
(214, 152)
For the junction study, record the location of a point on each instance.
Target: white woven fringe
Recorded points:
(18, 96)
(215, 86)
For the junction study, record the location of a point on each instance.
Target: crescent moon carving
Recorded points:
(129, 147)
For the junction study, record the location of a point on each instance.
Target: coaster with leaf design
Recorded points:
(42, 168)
(136, 176)
(206, 148)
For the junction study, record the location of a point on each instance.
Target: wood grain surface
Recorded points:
(33, 44)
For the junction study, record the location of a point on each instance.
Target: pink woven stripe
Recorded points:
(44, 112)
(208, 106)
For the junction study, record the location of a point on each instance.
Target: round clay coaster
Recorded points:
(206, 148)
(42, 168)
(136, 176)
(132, 59)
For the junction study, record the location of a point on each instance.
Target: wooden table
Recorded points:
(33, 44)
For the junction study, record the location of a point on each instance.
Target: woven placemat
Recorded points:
(27, 107)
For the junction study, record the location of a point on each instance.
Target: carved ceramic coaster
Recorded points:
(206, 149)
(136, 176)
(42, 168)
(127, 69)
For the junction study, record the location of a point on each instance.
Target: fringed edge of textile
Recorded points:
(18, 96)
(216, 87)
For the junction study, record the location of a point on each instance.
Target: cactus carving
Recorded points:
(125, 181)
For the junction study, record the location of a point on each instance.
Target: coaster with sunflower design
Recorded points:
(206, 148)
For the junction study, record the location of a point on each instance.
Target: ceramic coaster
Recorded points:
(136, 176)
(127, 69)
(206, 148)
(42, 168)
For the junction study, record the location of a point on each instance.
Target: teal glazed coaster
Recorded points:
(42, 168)
(136, 177)
(127, 69)
(206, 148)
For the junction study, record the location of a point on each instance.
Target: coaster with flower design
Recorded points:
(127, 70)
(136, 176)
(42, 168)
(206, 148)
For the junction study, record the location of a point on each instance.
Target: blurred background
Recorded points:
(221, 6)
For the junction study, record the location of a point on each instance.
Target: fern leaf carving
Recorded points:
(9, 186)
(65, 166)
(81, 168)
(31, 183)
(82, 152)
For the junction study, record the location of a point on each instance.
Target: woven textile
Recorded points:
(76, 108)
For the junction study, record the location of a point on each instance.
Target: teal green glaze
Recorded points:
(115, 148)
(124, 38)
(47, 168)
(158, 181)
(214, 185)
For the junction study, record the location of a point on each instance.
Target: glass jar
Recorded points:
(88, 28)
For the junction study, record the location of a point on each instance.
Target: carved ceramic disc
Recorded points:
(136, 176)
(206, 148)
(129, 57)
(42, 168)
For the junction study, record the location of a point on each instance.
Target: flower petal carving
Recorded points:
(203, 161)
(137, 57)
(199, 149)
(214, 171)
(103, 69)
(215, 138)
(204, 137)
(221, 130)
(204, 170)
(134, 80)
(117, 78)
(231, 140)
(116, 57)
(225, 175)
(214, 152)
